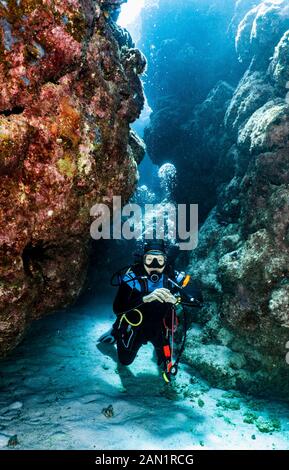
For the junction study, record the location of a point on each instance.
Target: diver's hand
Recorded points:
(158, 294)
(161, 295)
(171, 299)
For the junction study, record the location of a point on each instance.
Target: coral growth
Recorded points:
(69, 91)
(230, 147)
(242, 259)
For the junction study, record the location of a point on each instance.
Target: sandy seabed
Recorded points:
(57, 388)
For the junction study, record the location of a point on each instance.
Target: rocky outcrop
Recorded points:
(260, 30)
(243, 253)
(69, 90)
(279, 69)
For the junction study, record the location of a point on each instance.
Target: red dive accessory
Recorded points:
(168, 349)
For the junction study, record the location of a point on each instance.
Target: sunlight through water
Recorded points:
(129, 12)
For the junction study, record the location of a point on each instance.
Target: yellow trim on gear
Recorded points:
(165, 377)
(186, 280)
(129, 322)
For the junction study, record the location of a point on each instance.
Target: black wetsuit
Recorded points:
(156, 316)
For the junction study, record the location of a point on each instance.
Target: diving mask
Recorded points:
(154, 260)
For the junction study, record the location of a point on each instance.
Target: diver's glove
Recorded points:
(161, 295)
(107, 337)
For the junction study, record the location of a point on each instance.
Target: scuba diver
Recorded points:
(145, 306)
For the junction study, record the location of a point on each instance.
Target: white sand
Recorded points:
(55, 385)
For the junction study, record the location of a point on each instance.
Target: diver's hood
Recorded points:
(155, 245)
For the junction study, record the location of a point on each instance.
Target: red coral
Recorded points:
(64, 136)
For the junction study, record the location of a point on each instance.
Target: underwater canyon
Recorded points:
(224, 123)
(74, 84)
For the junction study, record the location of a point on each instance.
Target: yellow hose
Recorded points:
(129, 322)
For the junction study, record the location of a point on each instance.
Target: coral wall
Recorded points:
(230, 142)
(70, 88)
(243, 255)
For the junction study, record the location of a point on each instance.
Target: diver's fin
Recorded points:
(107, 337)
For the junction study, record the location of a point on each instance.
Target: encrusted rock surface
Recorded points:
(230, 144)
(243, 254)
(70, 88)
(279, 67)
(260, 30)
